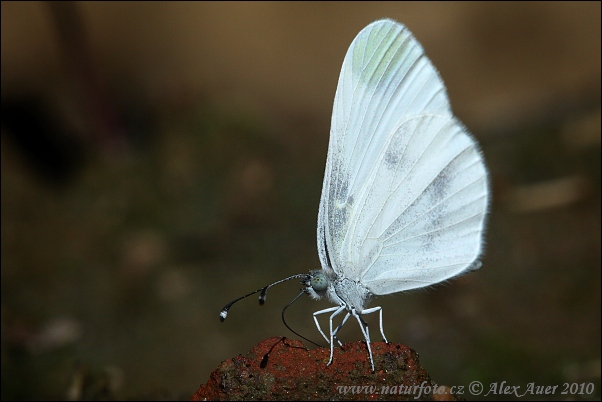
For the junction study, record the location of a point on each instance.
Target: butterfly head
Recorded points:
(317, 284)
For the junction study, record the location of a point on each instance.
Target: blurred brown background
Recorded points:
(160, 160)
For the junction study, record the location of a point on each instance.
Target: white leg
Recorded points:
(328, 310)
(340, 326)
(366, 333)
(380, 310)
(339, 310)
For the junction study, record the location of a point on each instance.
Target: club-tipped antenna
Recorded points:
(224, 313)
(290, 329)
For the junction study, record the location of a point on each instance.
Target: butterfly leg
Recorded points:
(340, 326)
(328, 310)
(366, 332)
(380, 311)
(337, 312)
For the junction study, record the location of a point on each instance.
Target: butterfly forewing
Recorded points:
(405, 189)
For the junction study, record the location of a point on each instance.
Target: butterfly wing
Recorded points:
(405, 192)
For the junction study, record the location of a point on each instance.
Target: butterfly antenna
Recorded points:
(224, 313)
(290, 329)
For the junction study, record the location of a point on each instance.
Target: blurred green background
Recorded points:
(160, 160)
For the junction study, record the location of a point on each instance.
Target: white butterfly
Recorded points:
(405, 193)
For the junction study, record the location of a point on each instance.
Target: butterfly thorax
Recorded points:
(347, 292)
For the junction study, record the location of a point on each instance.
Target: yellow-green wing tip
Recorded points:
(379, 46)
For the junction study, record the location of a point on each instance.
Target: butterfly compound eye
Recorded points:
(319, 283)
